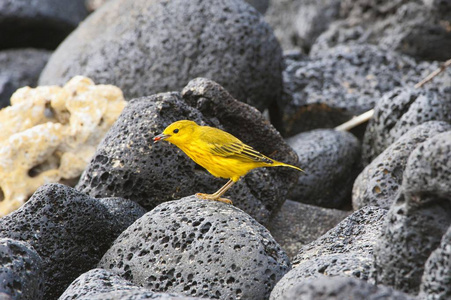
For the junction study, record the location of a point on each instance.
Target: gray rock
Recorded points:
(436, 280)
(147, 47)
(345, 250)
(260, 5)
(331, 288)
(296, 224)
(320, 153)
(18, 68)
(198, 248)
(153, 173)
(69, 230)
(409, 27)
(21, 271)
(400, 110)
(381, 180)
(347, 81)
(137, 295)
(38, 24)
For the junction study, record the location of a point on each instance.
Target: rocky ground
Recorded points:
(370, 218)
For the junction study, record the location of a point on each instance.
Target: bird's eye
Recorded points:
(176, 131)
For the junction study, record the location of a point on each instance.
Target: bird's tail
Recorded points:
(281, 164)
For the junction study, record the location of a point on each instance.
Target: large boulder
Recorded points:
(147, 47)
(198, 248)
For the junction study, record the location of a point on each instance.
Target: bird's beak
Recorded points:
(160, 137)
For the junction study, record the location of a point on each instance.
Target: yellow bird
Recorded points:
(222, 154)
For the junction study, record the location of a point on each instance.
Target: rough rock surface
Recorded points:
(347, 80)
(127, 163)
(69, 230)
(38, 24)
(345, 250)
(18, 68)
(101, 284)
(198, 248)
(296, 224)
(147, 47)
(402, 109)
(21, 274)
(49, 134)
(419, 218)
(320, 152)
(409, 27)
(331, 288)
(381, 180)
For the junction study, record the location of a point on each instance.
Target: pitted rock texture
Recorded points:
(296, 224)
(198, 248)
(345, 250)
(21, 271)
(436, 280)
(332, 288)
(157, 46)
(69, 230)
(400, 110)
(409, 27)
(320, 152)
(381, 180)
(127, 164)
(348, 80)
(101, 284)
(18, 68)
(38, 24)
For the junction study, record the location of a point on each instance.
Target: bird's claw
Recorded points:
(213, 198)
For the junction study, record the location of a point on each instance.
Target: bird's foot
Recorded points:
(213, 198)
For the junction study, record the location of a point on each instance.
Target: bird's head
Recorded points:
(178, 132)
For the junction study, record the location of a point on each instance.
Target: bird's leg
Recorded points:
(217, 196)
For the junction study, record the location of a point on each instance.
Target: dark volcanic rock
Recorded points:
(101, 284)
(198, 248)
(296, 224)
(21, 274)
(400, 110)
(127, 163)
(18, 68)
(345, 250)
(436, 280)
(69, 230)
(147, 47)
(381, 180)
(38, 24)
(347, 80)
(332, 288)
(331, 160)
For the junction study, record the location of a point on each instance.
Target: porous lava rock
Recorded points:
(381, 180)
(419, 218)
(345, 250)
(127, 164)
(147, 47)
(21, 271)
(198, 248)
(320, 152)
(69, 230)
(336, 287)
(38, 24)
(347, 81)
(415, 28)
(400, 110)
(101, 284)
(18, 68)
(296, 224)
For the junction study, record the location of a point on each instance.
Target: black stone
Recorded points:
(69, 230)
(21, 271)
(147, 47)
(331, 161)
(198, 248)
